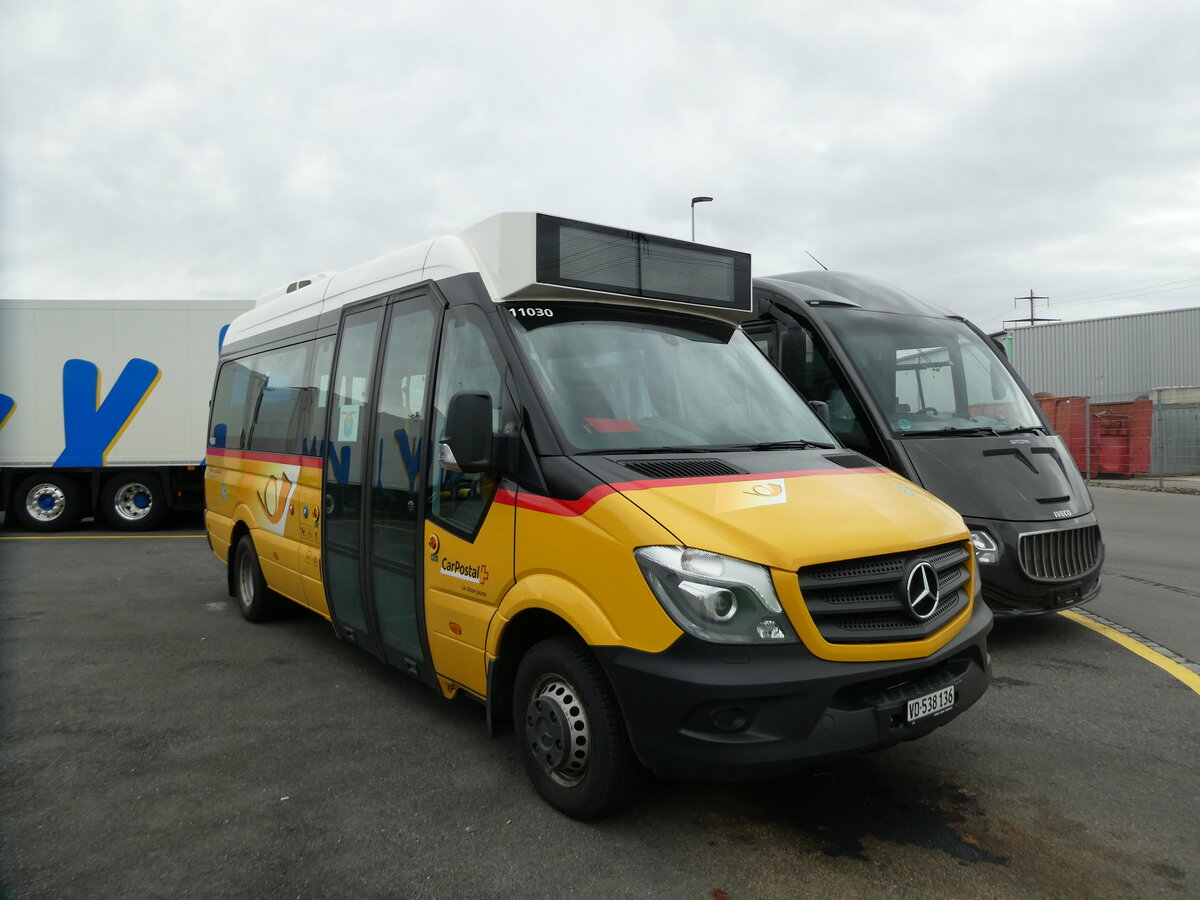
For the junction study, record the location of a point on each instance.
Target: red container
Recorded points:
(1118, 433)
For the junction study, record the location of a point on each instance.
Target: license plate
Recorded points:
(931, 704)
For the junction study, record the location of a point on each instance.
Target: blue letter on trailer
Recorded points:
(92, 426)
(7, 405)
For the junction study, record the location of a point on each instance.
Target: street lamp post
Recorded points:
(696, 200)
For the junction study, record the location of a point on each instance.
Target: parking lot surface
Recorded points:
(156, 745)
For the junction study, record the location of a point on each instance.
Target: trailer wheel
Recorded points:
(133, 501)
(570, 732)
(256, 601)
(48, 501)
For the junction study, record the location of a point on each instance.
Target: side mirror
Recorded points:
(821, 408)
(467, 444)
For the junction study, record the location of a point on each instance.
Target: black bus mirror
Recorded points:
(821, 408)
(467, 444)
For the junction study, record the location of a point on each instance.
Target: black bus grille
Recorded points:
(1059, 555)
(864, 600)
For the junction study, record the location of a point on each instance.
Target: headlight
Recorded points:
(715, 598)
(986, 549)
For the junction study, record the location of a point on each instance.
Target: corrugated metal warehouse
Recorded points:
(1117, 358)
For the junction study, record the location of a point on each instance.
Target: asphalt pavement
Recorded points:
(156, 745)
(1152, 565)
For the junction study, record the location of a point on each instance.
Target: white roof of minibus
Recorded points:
(501, 248)
(437, 258)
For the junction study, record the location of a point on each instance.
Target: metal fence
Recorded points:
(1157, 434)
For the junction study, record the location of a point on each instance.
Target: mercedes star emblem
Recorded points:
(921, 592)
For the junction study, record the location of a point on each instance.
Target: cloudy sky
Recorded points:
(966, 152)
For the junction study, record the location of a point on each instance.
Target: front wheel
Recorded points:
(570, 731)
(133, 501)
(48, 501)
(256, 601)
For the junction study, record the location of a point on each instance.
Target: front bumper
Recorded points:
(722, 712)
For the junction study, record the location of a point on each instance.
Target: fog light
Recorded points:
(986, 550)
(729, 718)
(769, 630)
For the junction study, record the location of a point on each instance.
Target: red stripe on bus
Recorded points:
(555, 507)
(283, 459)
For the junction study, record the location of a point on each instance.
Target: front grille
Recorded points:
(681, 468)
(1059, 555)
(864, 600)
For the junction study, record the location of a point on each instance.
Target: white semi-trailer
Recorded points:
(104, 406)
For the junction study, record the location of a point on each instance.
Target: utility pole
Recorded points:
(1032, 318)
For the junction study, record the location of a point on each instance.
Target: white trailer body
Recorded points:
(104, 407)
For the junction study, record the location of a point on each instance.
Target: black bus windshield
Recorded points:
(620, 380)
(931, 375)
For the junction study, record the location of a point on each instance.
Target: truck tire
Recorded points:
(133, 501)
(257, 602)
(570, 733)
(48, 501)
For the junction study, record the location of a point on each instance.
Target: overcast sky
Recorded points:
(966, 152)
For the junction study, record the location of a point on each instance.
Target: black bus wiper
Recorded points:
(951, 431)
(785, 445)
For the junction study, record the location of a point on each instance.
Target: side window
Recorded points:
(311, 443)
(821, 380)
(469, 361)
(227, 419)
(764, 339)
(278, 396)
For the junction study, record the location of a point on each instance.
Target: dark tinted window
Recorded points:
(227, 420)
(280, 396)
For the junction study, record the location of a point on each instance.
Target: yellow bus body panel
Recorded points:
(464, 583)
(278, 498)
(580, 566)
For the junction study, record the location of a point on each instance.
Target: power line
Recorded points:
(1122, 271)
(1137, 289)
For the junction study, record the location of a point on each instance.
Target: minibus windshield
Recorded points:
(620, 380)
(931, 375)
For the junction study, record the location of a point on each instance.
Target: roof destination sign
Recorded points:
(617, 261)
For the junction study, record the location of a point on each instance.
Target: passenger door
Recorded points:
(469, 534)
(374, 485)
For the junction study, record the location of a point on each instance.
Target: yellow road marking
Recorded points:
(1172, 668)
(96, 537)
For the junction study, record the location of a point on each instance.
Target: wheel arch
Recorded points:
(519, 634)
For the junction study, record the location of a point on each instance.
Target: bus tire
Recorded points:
(133, 501)
(570, 732)
(48, 501)
(257, 602)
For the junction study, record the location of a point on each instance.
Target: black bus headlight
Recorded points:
(986, 548)
(716, 598)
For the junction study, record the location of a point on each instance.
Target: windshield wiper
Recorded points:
(952, 431)
(784, 445)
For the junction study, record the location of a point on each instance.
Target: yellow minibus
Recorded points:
(538, 464)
